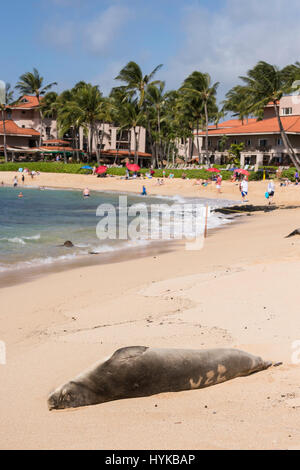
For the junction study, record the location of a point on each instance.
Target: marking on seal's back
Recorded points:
(221, 373)
(209, 377)
(195, 385)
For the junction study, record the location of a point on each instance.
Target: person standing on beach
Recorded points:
(23, 178)
(297, 177)
(15, 182)
(218, 183)
(86, 192)
(271, 191)
(244, 189)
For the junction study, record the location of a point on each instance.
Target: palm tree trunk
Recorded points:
(4, 136)
(91, 143)
(206, 132)
(286, 141)
(101, 140)
(135, 147)
(198, 145)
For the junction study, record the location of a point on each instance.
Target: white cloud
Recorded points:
(59, 35)
(105, 79)
(227, 42)
(97, 36)
(104, 29)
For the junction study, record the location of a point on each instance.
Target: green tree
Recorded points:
(200, 85)
(31, 83)
(267, 83)
(9, 93)
(136, 82)
(85, 107)
(238, 102)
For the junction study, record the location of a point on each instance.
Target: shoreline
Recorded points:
(17, 275)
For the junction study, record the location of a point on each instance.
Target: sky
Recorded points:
(91, 40)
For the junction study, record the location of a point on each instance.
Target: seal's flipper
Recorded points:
(127, 353)
(295, 232)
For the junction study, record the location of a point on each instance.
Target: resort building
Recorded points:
(261, 138)
(23, 128)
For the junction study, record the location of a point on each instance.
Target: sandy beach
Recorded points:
(239, 291)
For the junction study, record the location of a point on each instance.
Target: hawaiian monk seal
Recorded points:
(140, 371)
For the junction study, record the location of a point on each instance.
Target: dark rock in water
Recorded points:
(68, 244)
(248, 208)
(295, 232)
(245, 209)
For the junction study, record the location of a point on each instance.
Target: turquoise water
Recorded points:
(33, 228)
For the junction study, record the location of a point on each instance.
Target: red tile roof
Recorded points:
(291, 124)
(11, 128)
(231, 123)
(61, 149)
(125, 152)
(56, 141)
(31, 102)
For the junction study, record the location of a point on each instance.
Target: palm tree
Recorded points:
(135, 81)
(267, 83)
(31, 83)
(200, 85)
(237, 101)
(132, 117)
(84, 106)
(155, 99)
(8, 99)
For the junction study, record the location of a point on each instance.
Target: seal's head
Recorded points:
(71, 395)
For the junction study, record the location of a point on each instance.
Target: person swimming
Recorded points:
(20, 195)
(86, 192)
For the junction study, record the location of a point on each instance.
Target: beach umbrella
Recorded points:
(213, 170)
(86, 167)
(101, 169)
(133, 167)
(242, 172)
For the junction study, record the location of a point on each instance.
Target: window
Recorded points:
(235, 142)
(8, 114)
(263, 142)
(287, 111)
(248, 143)
(48, 132)
(279, 142)
(122, 136)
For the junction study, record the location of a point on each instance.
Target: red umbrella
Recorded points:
(132, 167)
(101, 169)
(242, 172)
(213, 170)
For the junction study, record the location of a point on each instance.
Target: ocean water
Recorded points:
(34, 228)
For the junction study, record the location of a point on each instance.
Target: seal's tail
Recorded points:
(267, 364)
(296, 232)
